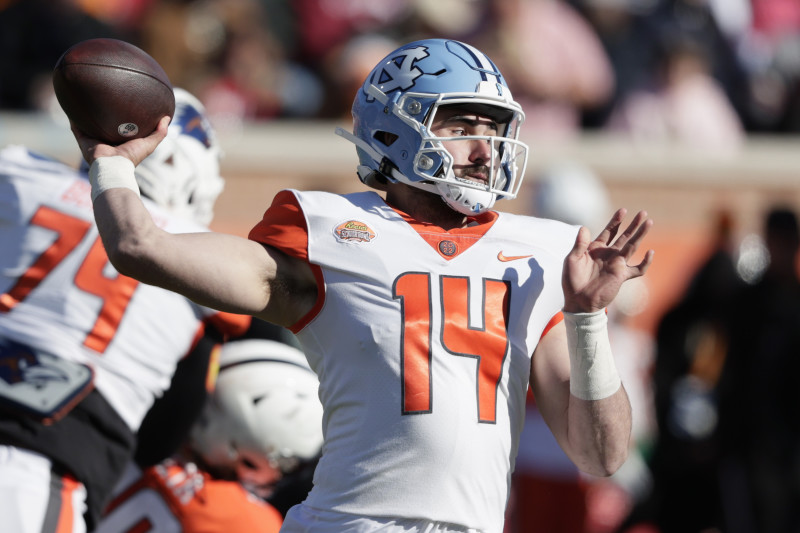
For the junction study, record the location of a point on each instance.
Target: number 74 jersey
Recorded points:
(60, 294)
(422, 340)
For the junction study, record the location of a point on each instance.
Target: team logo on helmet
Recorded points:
(353, 231)
(193, 124)
(400, 71)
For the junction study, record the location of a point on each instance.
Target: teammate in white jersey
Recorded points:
(84, 351)
(425, 314)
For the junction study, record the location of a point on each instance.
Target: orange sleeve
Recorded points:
(283, 226)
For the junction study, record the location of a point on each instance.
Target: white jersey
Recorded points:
(422, 341)
(60, 294)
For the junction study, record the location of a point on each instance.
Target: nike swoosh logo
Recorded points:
(504, 258)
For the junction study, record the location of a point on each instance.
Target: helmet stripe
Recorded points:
(484, 65)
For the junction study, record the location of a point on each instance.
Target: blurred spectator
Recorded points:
(33, 35)
(773, 64)
(575, 63)
(456, 19)
(685, 103)
(630, 42)
(759, 412)
(696, 21)
(691, 346)
(327, 30)
(126, 15)
(323, 25)
(776, 17)
(553, 59)
(225, 51)
(349, 65)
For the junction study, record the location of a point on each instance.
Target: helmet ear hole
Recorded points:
(386, 138)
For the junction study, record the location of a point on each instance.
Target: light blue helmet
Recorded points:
(394, 110)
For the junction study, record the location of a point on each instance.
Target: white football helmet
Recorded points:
(264, 411)
(182, 174)
(395, 108)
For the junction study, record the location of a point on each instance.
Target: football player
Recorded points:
(425, 313)
(84, 350)
(260, 428)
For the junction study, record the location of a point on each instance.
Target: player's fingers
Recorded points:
(631, 231)
(642, 267)
(87, 145)
(607, 235)
(631, 239)
(138, 149)
(582, 241)
(163, 125)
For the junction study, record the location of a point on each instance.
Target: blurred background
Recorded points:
(689, 109)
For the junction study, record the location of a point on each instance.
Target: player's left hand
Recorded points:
(595, 270)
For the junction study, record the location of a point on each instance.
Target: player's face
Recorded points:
(258, 474)
(472, 158)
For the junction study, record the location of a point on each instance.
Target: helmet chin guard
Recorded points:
(466, 201)
(397, 105)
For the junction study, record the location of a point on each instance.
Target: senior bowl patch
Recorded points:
(353, 231)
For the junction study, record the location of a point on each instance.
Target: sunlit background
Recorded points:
(689, 109)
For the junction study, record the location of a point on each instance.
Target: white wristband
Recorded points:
(112, 173)
(593, 374)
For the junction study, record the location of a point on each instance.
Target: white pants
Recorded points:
(304, 519)
(35, 500)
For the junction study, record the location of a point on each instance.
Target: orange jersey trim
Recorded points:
(284, 227)
(66, 517)
(463, 238)
(558, 317)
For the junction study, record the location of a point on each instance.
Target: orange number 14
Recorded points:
(487, 345)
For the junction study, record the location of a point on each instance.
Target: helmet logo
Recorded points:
(193, 124)
(400, 72)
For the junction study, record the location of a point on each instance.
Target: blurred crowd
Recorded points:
(703, 72)
(715, 445)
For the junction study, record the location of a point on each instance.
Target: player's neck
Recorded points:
(424, 207)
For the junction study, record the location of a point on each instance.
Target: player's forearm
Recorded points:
(126, 229)
(599, 411)
(599, 433)
(125, 226)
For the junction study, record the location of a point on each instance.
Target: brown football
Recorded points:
(112, 90)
